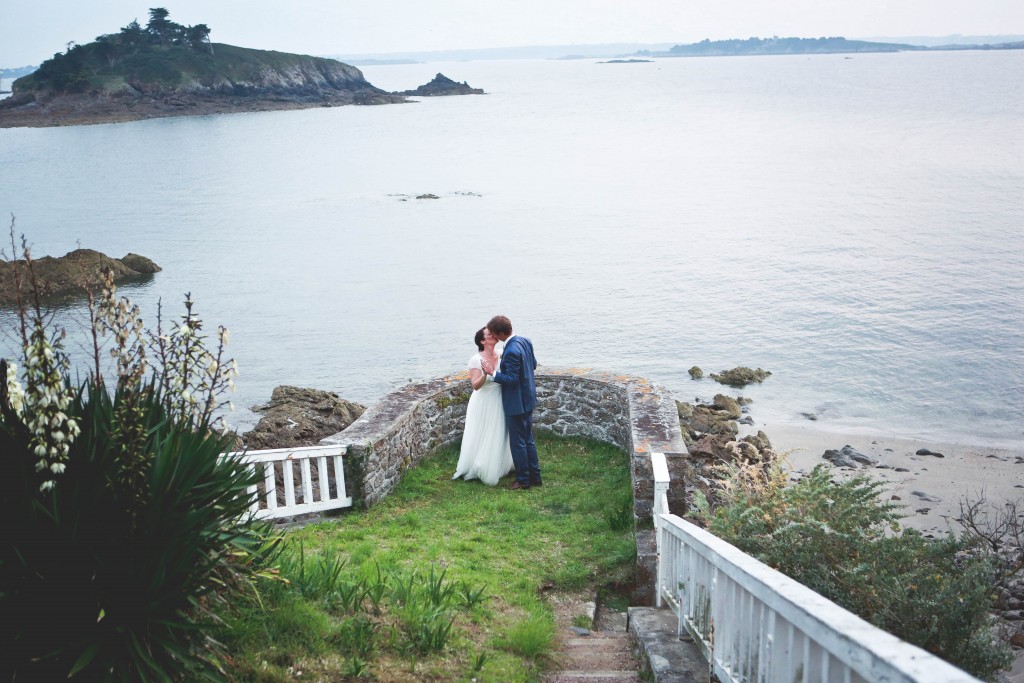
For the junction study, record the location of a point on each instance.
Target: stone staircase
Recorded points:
(620, 646)
(603, 654)
(600, 657)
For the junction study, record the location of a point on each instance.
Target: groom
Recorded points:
(519, 398)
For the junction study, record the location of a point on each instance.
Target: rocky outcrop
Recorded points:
(741, 376)
(300, 417)
(238, 80)
(140, 264)
(71, 274)
(442, 85)
(710, 431)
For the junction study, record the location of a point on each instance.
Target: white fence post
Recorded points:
(659, 467)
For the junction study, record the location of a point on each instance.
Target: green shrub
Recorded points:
(840, 540)
(122, 521)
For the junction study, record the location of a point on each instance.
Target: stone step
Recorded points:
(670, 659)
(597, 661)
(599, 645)
(592, 677)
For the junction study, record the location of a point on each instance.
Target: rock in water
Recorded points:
(696, 372)
(71, 274)
(442, 85)
(741, 376)
(300, 417)
(140, 264)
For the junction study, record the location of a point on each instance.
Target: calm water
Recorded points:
(852, 225)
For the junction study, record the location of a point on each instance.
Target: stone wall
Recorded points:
(630, 412)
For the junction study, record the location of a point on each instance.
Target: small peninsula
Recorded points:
(69, 275)
(167, 69)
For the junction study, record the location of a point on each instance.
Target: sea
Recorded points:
(852, 223)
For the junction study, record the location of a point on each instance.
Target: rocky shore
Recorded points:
(271, 92)
(934, 482)
(71, 274)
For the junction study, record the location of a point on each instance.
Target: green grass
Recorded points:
(452, 575)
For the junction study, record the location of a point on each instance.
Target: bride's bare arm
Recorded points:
(477, 378)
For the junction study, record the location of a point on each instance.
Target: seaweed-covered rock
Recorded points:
(300, 417)
(741, 376)
(695, 372)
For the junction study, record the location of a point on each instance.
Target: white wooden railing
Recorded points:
(754, 624)
(327, 476)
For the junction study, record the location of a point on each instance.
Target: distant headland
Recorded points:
(803, 46)
(167, 69)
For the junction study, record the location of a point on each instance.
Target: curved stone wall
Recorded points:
(630, 412)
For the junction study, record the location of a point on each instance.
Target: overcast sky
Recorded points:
(32, 30)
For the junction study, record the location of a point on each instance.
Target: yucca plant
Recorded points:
(122, 518)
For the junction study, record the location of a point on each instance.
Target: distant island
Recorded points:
(442, 85)
(806, 46)
(167, 69)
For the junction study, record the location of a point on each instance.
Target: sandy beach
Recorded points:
(931, 488)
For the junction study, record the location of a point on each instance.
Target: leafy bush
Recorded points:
(840, 540)
(123, 522)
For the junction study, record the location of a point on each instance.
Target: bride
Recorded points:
(485, 453)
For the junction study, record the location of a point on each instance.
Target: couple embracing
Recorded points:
(499, 417)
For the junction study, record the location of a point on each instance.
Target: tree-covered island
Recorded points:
(167, 69)
(784, 46)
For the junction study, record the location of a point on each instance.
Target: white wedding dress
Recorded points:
(485, 453)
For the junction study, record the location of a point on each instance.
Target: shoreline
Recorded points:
(964, 472)
(84, 110)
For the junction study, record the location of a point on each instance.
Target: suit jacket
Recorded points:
(515, 375)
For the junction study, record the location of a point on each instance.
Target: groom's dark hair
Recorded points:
(500, 325)
(478, 339)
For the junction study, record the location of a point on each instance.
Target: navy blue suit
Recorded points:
(519, 398)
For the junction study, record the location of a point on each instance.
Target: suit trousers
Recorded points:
(524, 450)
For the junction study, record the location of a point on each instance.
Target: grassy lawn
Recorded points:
(443, 580)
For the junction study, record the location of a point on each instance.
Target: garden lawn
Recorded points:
(444, 580)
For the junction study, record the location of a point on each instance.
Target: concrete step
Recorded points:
(670, 659)
(597, 661)
(592, 677)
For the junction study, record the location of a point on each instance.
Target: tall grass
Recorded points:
(446, 576)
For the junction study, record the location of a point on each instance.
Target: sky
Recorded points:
(33, 30)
